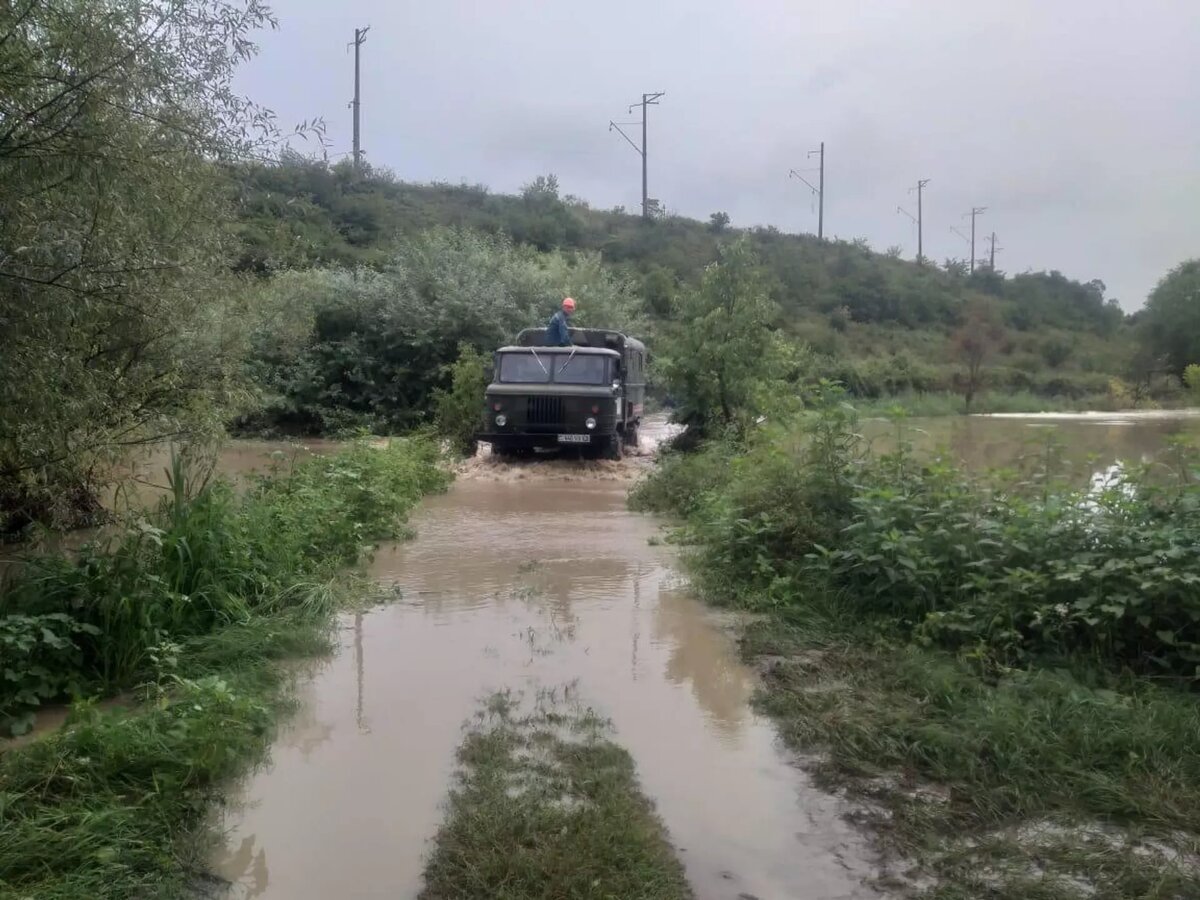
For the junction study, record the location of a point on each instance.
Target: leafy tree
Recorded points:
(975, 342)
(955, 268)
(718, 222)
(1191, 381)
(1171, 321)
(722, 358)
(114, 320)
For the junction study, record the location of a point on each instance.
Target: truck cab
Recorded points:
(589, 395)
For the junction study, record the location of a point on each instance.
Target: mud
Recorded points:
(569, 465)
(521, 584)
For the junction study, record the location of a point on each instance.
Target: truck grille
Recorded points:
(544, 410)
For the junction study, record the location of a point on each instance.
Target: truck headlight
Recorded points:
(590, 423)
(501, 420)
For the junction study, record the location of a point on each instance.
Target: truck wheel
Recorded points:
(631, 435)
(613, 450)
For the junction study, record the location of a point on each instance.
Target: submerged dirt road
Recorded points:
(529, 578)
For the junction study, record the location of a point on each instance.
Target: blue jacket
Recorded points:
(557, 334)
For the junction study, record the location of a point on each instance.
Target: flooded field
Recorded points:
(1080, 443)
(536, 576)
(531, 584)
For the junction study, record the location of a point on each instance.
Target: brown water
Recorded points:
(528, 584)
(538, 576)
(1082, 443)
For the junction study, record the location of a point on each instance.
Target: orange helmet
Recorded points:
(569, 304)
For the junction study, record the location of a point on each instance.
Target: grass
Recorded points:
(115, 804)
(191, 610)
(547, 806)
(1030, 785)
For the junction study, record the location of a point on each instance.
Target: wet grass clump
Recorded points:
(1030, 783)
(546, 805)
(186, 612)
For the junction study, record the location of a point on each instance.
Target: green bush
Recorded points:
(202, 561)
(458, 409)
(1110, 571)
(1013, 571)
(368, 347)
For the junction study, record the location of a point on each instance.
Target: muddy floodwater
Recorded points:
(1076, 443)
(537, 576)
(526, 584)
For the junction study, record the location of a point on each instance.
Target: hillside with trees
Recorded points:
(881, 325)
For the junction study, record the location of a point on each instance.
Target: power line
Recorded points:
(975, 212)
(964, 237)
(647, 101)
(901, 211)
(360, 36)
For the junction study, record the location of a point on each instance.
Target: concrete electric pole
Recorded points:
(648, 100)
(360, 36)
(975, 211)
(819, 190)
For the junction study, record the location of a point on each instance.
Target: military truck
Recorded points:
(588, 396)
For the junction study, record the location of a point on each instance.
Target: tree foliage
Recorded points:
(339, 348)
(722, 361)
(975, 343)
(1171, 321)
(113, 320)
(307, 211)
(457, 410)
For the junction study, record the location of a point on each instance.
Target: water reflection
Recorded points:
(245, 868)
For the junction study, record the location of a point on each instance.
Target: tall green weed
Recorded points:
(201, 561)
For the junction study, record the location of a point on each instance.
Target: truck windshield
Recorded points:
(525, 368)
(580, 369)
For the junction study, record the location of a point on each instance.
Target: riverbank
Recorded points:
(999, 678)
(191, 608)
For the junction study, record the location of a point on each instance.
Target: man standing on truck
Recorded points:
(558, 333)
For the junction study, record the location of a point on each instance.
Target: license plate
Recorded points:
(574, 438)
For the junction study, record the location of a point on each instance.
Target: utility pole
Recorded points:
(975, 211)
(992, 253)
(917, 219)
(360, 36)
(921, 182)
(818, 191)
(648, 100)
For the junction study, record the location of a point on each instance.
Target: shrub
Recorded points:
(1010, 571)
(201, 561)
(457, 410)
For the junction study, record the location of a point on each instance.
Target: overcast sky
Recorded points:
(1075, 122)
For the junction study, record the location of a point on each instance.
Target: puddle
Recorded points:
(520, 585)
